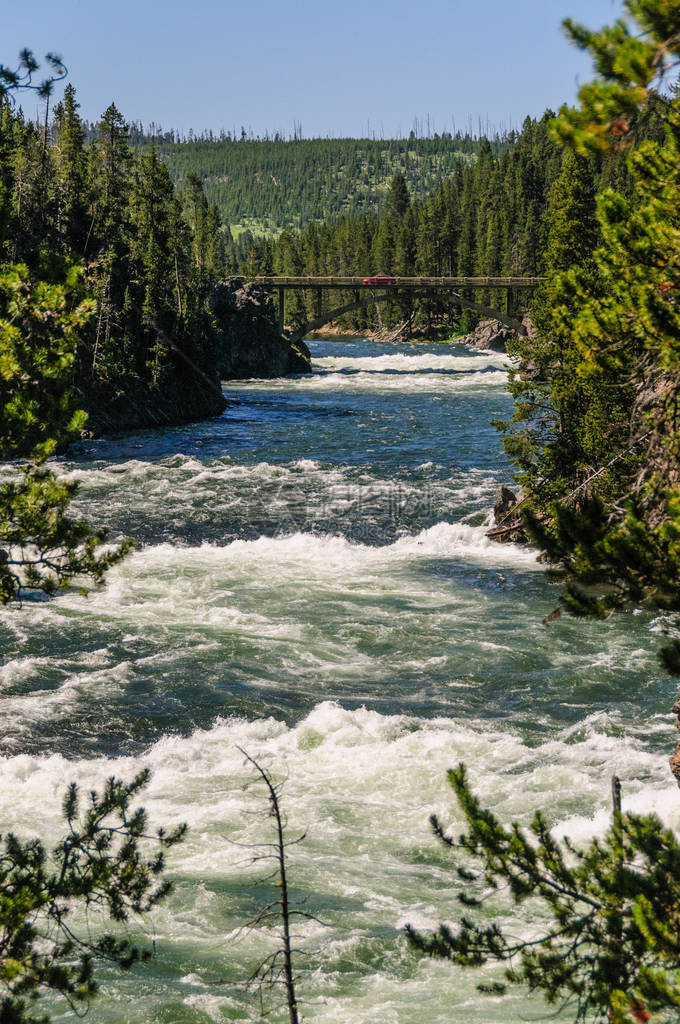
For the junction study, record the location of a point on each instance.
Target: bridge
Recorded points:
(363, 295)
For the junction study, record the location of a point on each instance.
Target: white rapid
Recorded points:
(315, 586)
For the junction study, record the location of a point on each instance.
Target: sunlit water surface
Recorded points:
(315, 585)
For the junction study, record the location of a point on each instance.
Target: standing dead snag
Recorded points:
(277, 968)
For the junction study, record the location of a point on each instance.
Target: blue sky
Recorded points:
(337, 69)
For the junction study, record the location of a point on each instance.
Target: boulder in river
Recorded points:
(505, 501)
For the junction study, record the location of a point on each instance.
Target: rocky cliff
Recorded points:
(250, 341)
(184, 396)
(247, 342)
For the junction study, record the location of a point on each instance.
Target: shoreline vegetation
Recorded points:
(331, 331)
(140, 266)
(595, 437)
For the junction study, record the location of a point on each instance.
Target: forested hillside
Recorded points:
(111, 316)
(266, 185)
(80, 204)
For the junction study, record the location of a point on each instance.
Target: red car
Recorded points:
(380, 279)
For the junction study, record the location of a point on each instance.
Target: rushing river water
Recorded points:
(314, 585)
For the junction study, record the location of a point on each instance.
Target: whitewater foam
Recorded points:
(414, 363)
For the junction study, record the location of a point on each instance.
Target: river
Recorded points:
(314, 585)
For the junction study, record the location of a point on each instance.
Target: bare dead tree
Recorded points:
(277, 968)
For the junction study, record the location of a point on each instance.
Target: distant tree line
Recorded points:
(267, 185)
(488, 217)
(442, 205)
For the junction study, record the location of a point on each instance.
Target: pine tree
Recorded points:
(70, 176)
(612, 931)
(110, 161)
(398, 199)
(20, 77)
(625, 329)
(41, 546)
(552, 436)
(108, 864)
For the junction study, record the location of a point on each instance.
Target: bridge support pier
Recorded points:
(282, 307)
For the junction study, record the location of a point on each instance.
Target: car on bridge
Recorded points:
(380, 279)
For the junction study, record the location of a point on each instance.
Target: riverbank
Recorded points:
(246, 342)
(137, 406)
(419, 335)
(488, 335)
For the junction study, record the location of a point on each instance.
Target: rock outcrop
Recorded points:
(505, 502)
(185, 397)
(250, 341)
(675, 759)
(528, 324)
(507, 527)
(492, 335)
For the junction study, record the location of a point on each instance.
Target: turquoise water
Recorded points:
(314, 584)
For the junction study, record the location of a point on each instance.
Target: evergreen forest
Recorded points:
(488, 217)
(139, 261)
(266, 185)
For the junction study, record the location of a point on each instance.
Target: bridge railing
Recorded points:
(444, 283)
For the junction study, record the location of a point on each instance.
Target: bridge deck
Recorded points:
(442, 283)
